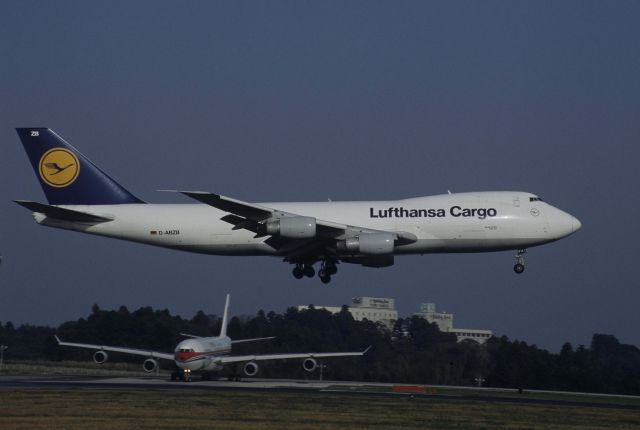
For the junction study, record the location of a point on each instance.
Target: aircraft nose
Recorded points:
(575, 224)
(182, 356)
(562, 224)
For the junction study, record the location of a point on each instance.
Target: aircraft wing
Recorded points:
(264, 357)
(252, 340)
(134, 351)
(247, 215)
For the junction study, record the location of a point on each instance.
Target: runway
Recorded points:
(319, 388)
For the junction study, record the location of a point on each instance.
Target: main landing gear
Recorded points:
(519, 266)
(302, 270)
(327, 269)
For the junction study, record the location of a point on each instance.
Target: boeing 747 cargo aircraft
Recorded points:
(83, 198)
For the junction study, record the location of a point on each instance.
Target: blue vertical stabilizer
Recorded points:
(66, 176)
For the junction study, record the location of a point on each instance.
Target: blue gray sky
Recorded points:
(300, 101)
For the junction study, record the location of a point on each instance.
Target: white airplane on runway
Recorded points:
(371, 233)
(208, 354)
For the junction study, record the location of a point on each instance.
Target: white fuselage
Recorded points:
(462, 222)
(200, 354)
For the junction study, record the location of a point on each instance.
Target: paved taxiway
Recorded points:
(308, 388)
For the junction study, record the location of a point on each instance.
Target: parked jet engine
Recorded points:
(100, 357)
(251, 368)
(149, 365)
(309, 364)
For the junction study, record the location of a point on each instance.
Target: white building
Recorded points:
(375, 309)
(445, 323)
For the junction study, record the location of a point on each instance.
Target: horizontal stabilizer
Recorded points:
(193, 336)
(62, 213)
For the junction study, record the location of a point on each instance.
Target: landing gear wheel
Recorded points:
(325, 275)
(328, 268)
(519, 267)
(298, 273)
(309, 271)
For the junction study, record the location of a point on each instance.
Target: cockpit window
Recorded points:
(185, 350)
(535, 199)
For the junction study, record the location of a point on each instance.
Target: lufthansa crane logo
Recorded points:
(59, 167)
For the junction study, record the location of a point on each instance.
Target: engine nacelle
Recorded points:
(297, 227)
(100, 357)
(149, 365)
(368, 244)
(251, 368)
(309, 364)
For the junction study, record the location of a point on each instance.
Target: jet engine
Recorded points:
(309, 364)
(149, 365)
(368, 244)
(251, 368)
(297, 227)
(100, 357)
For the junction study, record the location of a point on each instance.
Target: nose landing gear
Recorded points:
(519, 266)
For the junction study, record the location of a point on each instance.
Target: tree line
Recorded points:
(414, 351)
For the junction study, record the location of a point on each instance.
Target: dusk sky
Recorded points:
(305, 101)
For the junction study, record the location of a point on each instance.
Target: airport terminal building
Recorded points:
(376, 309)
(445, 323)
(382, 310)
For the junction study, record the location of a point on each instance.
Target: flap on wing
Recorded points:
(62, 213)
